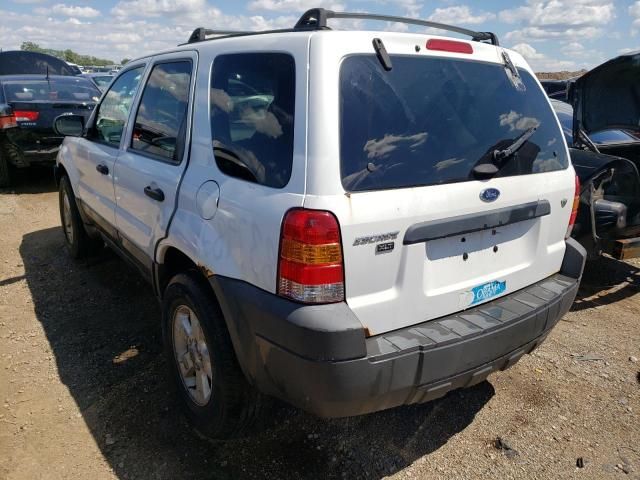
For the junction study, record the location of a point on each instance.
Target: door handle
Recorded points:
(154, 193)
(103, 169)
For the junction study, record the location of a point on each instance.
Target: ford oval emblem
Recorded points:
(489, 194)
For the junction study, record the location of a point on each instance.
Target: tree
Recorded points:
(67, 55)
(125, 61)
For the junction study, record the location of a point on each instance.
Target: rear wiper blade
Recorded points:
(517, 144)
(486, 170)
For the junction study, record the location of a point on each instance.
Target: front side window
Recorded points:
(160, 124)
(430, 121)
(114, 110)
(252, 116)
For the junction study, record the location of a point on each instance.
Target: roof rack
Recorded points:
(316, 19)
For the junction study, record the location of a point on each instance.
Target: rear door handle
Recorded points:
(154, 193)
(103, 169)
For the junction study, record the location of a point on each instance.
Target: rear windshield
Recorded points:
(72, 88)
(429, 121)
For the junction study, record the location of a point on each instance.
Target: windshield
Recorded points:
(59, 89)
(429, 121)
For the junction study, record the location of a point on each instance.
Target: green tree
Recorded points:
(125, 61)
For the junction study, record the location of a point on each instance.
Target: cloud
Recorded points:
(516, 121)
(634, 11)
(290, 5)
(130, 8)
(460, 15)
(561, 12)
(541, 62)
(74, 11)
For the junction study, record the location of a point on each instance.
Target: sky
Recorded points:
(552, 35)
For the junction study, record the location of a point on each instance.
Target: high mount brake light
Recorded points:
(26, 115)
(310, 268)
(449, 46)
(574, 209)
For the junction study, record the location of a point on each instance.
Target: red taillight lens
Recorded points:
(574, 209)
(310, 268)
(8, 121)
(26, 115)
(449, 46)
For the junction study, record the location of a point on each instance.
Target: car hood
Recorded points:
(608, 97)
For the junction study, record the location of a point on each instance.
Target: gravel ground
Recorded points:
(83, 392)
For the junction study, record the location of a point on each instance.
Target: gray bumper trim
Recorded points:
(318, 359)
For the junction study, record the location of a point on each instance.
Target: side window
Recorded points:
(160, 124)
(113, 112)
(252, 100)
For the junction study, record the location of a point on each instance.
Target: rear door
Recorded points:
(155, 155)
(423, 235)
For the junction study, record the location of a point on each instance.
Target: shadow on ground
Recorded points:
(31, 180)
(102, 322)
(606, 281)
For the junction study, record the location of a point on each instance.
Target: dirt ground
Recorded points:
(83, 392)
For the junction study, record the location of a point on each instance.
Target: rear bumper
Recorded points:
(318, 359)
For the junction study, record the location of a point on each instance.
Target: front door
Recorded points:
(100, 148)
(154, 156)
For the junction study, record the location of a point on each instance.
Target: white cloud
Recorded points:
(460, 15)
(634, 11)
(529, 34)
(74, 11)
(290, 5)
(561, 12)
(541, 62)
(131, 8)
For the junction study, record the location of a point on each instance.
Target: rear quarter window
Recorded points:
(252, 100)
(429, 121)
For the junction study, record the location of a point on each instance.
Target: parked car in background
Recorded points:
(76, 68)
(346, 220)
(32, 63)
(28, 106)
(556, 89)
(101, 80)
(603, 134)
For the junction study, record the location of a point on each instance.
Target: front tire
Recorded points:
(77, 240)
(210, 386)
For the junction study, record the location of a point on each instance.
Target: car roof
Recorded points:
(38, 77)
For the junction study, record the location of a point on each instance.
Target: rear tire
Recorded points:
(77, 240)
(227, 405)
(5, 173)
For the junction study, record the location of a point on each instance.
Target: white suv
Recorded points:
(346, 220)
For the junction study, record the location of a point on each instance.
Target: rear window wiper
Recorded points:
(499, 156)
(517, 144)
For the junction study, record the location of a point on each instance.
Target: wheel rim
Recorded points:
(66, 217)
(191, 352)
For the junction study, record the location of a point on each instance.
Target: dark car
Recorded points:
(101, 80)
(28, 106)
(603, 133)
(556, 89)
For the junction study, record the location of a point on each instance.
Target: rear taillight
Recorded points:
(449, 46)
(574, 209)
(7, 121)
(310, 268)
(26, 115)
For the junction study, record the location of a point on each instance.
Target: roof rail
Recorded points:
(316, 19)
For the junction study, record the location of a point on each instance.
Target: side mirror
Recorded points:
(69, 125)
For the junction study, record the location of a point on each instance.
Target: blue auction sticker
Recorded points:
(487, 291)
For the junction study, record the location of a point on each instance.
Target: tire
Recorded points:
(233, 404)
(5, 174)
(77, 240)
